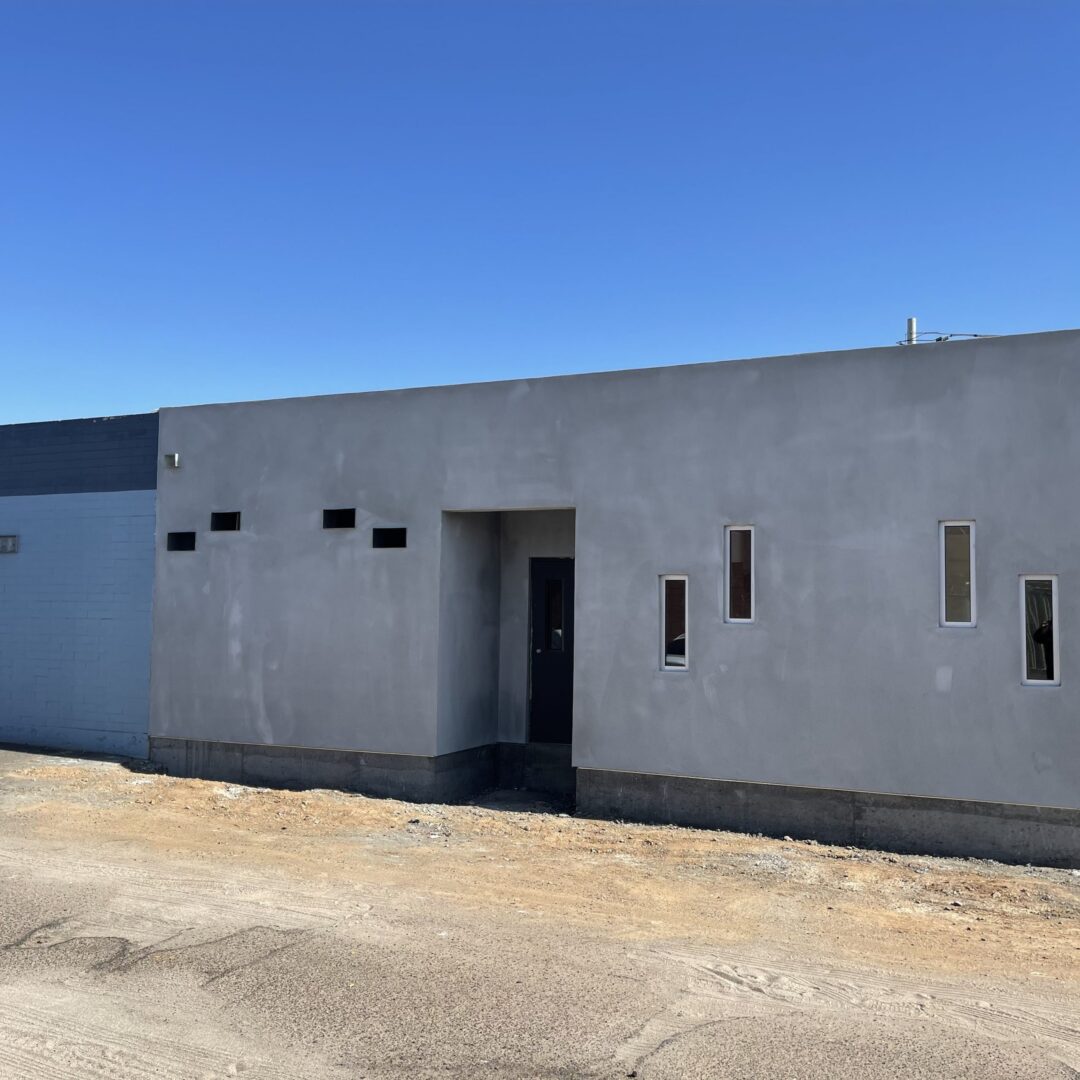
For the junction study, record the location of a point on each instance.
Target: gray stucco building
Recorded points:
(829, 595)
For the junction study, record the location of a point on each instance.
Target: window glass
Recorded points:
(740, 574)
(674, 622)
(553, 613)
(957, 580)
(1039, 627)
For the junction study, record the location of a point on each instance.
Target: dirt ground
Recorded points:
(381, 938)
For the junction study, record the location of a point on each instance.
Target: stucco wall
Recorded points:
(468, 632)
(75, 620)
(845, 463)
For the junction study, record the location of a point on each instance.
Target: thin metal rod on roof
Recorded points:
(914, 334)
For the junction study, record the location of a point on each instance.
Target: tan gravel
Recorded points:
(857, 946)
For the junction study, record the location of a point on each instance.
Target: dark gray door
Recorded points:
(551, 650)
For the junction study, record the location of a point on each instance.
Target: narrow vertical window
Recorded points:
(553, 614)
(673, 654)
(1039, 604)
(957, 564)
(739, 579)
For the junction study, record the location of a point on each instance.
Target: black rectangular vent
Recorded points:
(342, 518)
(180, 541)
(225, 521)
(388, 538)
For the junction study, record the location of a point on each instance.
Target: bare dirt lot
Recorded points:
(156, 927)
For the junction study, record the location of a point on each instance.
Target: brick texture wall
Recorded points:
(75, 620)
(117, 453)
(75, 599)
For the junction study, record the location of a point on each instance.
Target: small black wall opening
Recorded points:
(341, 518)
(388, 538)
(225, 521)
(180, 541)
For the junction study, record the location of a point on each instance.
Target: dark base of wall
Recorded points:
(446, 778)
(537, 767)
(1045, 836)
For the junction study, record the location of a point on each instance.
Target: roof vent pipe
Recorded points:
(912, 333)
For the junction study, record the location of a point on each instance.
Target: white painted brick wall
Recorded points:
(75, 620)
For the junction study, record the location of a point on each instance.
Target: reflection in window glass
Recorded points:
(674, 619)
(1039, 627)
(956, 540)
(740, 574)
(553, 607)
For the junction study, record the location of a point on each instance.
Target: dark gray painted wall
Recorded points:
(109, 453)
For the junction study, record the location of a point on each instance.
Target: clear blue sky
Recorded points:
(231, 200)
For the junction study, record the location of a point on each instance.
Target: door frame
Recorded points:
(569, 622)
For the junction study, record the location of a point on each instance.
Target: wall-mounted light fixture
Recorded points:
(9, 545)
(172, 461)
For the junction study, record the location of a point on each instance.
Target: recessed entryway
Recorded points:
(506, 656)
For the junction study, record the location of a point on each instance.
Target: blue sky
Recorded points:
(232, 200)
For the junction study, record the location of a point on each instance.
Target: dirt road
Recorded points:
(154, 927)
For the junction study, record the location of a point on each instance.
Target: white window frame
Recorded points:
(1053, 579)
(664, 579)
(728, 529)
(942, 621)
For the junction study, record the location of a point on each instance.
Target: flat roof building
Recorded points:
(829, 595)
